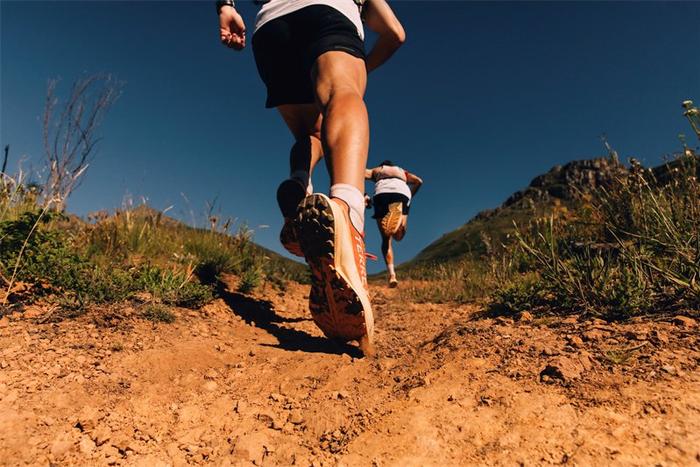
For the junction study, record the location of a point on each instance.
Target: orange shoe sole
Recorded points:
(338, 300)
(392, 220)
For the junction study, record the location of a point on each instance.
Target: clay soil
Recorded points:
(251, 380)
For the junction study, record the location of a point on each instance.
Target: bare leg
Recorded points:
(304, 121)
(401, 231)
(340, 82)
(388, 253)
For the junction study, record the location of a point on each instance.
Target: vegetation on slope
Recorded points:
(622, 243)
(134, 253)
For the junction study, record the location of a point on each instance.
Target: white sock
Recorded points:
(390, 268)
(355, 200)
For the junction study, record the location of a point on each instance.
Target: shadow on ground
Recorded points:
(261, 314)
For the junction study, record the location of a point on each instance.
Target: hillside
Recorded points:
(560, 188)
(150, 216)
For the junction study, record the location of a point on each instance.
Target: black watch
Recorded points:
(222, 3)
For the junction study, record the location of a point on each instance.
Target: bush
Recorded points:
(158, 314)
(172, 287)
(632, 249)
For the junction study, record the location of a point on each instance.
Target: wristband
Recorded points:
(223, 3)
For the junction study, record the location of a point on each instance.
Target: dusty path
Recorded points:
(247, 380)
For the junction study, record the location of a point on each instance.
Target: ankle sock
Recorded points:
(355, 200)
(390, 269)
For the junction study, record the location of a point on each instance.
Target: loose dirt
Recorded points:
(250, 380)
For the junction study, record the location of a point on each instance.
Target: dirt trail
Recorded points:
(251, 380)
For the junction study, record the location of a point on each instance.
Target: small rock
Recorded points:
(503, 321)
(593, 335)
(4, 322)
(278, 423)
(241, 407)
(60, 447)
(575, 341)
(211, 374)
(266, 417)
(564, 369)
(525, 317)
(88, 418)
(296, 417)
(86, 445)
(276, 397)
(639, 335)
(210, 386)
(659, 337)
(684, 322)
(251, 447)
(100, 436)
(340, 395)
(670, 369)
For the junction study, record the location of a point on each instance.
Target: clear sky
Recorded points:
(482, 97)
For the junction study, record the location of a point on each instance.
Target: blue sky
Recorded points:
(482, 97)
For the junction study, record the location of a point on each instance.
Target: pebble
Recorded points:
(684, 322)
(296, 417)
(59, 447)
(660, 336)
(100, 436)
(86, 445)
(575, 341)
(210, 386)
(525, 317)
(670, 369)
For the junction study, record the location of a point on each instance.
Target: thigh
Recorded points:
(338, 72)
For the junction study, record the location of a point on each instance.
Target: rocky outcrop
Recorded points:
(569, 181)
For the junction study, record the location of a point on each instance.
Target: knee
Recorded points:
(346, 93)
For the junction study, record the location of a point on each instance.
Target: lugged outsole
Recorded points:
(335, 306)
(392, 220)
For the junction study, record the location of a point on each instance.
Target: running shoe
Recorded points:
(393, 282)
(289, 239)
(289, 194)
(339, 298)
(392, 219)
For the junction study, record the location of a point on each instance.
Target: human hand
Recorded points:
(231, 28)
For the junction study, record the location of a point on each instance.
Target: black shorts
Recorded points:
(382, 201)
(287, 47)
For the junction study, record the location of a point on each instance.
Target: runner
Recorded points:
(310, 55)
(393, 190)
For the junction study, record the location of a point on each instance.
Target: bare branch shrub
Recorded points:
(70, 132)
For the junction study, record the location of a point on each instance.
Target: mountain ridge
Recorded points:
(562, 186)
